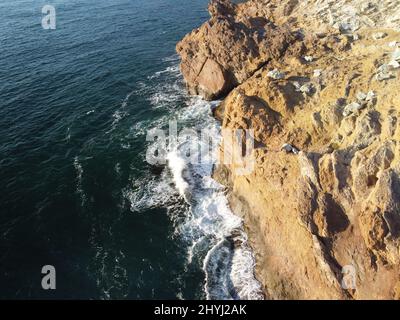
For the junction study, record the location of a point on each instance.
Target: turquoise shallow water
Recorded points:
(77, 192)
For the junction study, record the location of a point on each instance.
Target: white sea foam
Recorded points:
(168, 70)
(151, 193)
(167, 95)
(172, 58)
(214, 235)
(79, 173)
(121, 112)
(125, 102)
(177, 166)
(68, 134)
(118, 116)
(170, 88)
(229, 263)
(141, 128)
(112, 276)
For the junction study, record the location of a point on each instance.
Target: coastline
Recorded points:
(252, 229)
(322, 220)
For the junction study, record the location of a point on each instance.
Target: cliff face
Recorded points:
(322, 76)
(228, 49)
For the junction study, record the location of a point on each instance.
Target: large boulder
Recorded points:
(226, 50)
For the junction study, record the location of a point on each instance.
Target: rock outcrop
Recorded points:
(330, 213)
(228, 49)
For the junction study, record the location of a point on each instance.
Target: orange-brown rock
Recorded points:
(228, 49)
(333, 208)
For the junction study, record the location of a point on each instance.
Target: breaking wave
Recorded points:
(229, 263)
(213, 235)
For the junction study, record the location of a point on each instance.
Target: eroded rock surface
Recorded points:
(334, 205)
(228, 49)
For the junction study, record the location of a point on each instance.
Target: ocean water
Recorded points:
(76, 104)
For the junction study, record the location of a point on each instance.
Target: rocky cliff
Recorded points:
(321, 79)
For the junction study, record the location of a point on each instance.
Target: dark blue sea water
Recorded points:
(76, 190)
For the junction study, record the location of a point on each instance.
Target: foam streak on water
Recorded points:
(212, 233)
